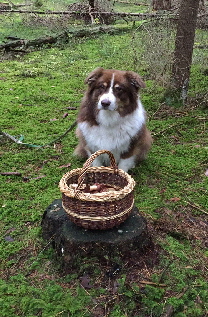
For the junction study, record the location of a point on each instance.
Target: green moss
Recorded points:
(36, 91)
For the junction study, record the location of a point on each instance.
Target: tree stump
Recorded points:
(69, 240)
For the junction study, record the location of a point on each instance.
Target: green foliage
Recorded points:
(38, 3)
(152, 300)
(19, 297)
(36, 91)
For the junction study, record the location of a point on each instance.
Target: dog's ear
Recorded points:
(94, 75)
(135, 80)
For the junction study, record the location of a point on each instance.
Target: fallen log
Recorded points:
(63, 37)
(5, 6)
(133, 3)
(119, 14)
(36, 42)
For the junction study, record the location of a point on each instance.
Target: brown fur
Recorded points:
(80, 150)
(129, 83)
(140, 145)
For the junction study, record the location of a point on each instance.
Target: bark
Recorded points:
(167, 4)
(161, 4)
(184, 45)
(134, 3)
(92, 3)
(37, 42)
(71, 13)
(5, 6)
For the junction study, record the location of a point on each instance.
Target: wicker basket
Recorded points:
(102, 210)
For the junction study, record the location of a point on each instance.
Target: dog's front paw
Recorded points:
(127, 164)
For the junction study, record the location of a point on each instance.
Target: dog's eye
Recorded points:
(118, 89)
(102, 87)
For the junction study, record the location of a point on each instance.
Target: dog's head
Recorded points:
(114, 90)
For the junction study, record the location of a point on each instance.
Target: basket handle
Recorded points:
(89, 162)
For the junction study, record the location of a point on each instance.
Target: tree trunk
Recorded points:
(92, 3)
(156, 4)
(71, 241)
(184, 45)
(161, 4)
(166, 4)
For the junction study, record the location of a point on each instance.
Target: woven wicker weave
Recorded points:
(102, 210)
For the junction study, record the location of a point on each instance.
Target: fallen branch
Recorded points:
(196, 207)
(63, 135)
(11, 6)
(19, 141)
(119, 14)
(134, 3)
(11, 174)
(205, 46)
(63, 37)
(37, 42)
(164, 130)
(22, 5)
(152, 283)
(164, 271)
(169, 309)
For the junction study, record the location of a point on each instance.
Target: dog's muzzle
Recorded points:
(105, 103)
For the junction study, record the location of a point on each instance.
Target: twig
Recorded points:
(196, 206)
(134, 3)
(11, 137)
(91, 15)
(169, 310)
(152, 283)
(11, 173)
(163, 271)
(63, 135)
(19, 141)
(171, 126)
(12, 4)
(162, 104)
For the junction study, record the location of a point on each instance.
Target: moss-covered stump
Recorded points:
(70, 240)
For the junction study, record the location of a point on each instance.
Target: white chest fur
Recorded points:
(113, 133)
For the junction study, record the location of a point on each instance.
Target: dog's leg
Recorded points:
(81, 149)
(97, 162)
(102, 160)
(128, 163)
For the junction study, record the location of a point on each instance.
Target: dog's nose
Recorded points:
(105, 103)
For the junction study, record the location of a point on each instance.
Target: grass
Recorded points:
(171, 191)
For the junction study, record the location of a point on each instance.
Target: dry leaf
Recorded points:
(85, 281)
(8, 239)
(71, 108)
(66, 165)
(175, 199)
(65, 115)
(11, 174)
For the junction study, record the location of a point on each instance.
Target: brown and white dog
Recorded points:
(111, 117)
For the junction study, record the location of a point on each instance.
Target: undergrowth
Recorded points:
(40, 95)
